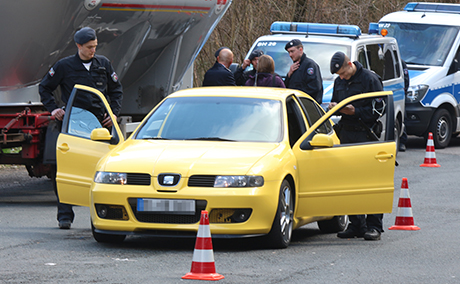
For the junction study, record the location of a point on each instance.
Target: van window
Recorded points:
(376, 58)
(321, 53)
(422, 44)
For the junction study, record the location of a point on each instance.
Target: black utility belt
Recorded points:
(354, 128)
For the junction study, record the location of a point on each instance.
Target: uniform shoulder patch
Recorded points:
(114, 77)
(310, 71)
(51, 72)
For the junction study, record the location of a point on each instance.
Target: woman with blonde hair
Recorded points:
(265, 75)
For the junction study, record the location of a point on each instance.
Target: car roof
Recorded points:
(239, 92)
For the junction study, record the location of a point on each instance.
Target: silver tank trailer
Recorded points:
(151, 43)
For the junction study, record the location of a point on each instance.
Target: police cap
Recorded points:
(337, 61)
(255, 53)
(293, 42)
(84, 35)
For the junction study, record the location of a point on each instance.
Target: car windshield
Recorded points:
(215, 118)
(321, 53)
(422, 44)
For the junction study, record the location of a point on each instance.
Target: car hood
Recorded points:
(185, 157)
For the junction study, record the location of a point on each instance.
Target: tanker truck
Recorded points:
(151, 44)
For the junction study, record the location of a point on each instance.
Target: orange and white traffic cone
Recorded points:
(203, 267)
(430, 156)
(404, 219)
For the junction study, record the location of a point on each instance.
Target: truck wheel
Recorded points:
(335, 225)
(281, 232)
(441, 127)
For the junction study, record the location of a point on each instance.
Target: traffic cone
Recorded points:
(404, 219)
(430, 156)
(203, 267)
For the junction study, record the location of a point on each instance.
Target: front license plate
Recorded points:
(166, 206)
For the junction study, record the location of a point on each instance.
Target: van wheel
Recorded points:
(335, 225)
(441, 127)
(106, 238)
(281, 232)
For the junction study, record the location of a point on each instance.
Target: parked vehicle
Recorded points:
(375, 52)
(152, 45)
(257, 159)
(429, 40)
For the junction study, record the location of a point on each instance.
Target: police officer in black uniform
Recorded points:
(241, 76)
(85, 68)
(304, 74)
(354, 127)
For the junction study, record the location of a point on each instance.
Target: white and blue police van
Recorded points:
(321, 41)
(429, 39)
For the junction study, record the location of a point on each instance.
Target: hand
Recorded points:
(331, 105)
(293, 67)
(58, 113)
(348, 110)
(246, 63)
(107, 122)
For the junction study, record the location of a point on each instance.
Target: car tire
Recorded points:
(281, 231)
(334, 225)
(106, 238)
(441, 127)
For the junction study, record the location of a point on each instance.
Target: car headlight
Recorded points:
(239, 181)
(111, 178)
(416, 93)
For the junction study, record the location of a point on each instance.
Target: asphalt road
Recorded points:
(34, 250)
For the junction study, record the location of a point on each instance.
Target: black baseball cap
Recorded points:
(84, 35)
(255, 53)
(337, 61)
(293, 42)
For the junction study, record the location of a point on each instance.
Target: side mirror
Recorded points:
(100, 134)
(322, 141)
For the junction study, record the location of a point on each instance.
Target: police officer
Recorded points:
(85, 68)
(354, 126)
(304, 74)
(242, 76)
(219, 74)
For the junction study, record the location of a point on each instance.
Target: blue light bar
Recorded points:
(432, 7)
(314, 28)
(373, 28)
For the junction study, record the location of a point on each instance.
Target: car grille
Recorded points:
(161, 218)
(201, 181)
(138, 179)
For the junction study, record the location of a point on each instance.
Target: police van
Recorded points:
(429, 39)
(321, 41)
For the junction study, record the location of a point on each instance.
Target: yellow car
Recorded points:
(261, 161)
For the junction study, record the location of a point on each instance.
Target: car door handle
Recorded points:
(384, 156)
(64, 147)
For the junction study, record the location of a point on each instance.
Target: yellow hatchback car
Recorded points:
(261, 161)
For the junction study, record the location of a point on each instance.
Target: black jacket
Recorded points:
(70, 71)
(242, 76)
(218, 75)
(363, 81)
(307, 79)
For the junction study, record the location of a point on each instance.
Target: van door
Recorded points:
(77, 154)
